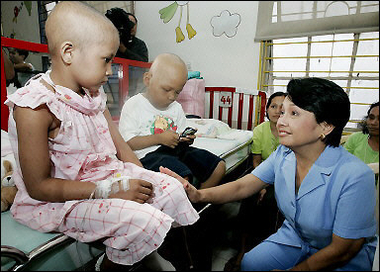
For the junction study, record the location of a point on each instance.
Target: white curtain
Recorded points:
(289, 19)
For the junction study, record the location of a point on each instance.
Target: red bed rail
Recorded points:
(244, 108)
(239, 107)
(7, 42)
(43, 48)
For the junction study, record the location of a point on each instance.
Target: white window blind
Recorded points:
(351, 60)
(284, 19)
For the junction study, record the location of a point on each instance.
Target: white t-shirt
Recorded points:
(140, 118)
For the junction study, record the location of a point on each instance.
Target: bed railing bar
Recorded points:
(220, 114)
(211, 113)
(255, 108)
(4, 108)
(262, 106)
(230, 110)
(240, 110)
(250, 112)
(21, 258)
(15, 254)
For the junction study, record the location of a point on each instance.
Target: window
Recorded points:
(350, 60)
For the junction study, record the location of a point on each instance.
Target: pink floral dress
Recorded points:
(83, 150)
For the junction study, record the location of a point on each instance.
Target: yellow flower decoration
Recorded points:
(179, 35)
(190, 31)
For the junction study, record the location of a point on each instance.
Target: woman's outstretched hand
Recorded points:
(192, 192)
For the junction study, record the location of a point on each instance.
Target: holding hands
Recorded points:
(140, 191)
(193, 194)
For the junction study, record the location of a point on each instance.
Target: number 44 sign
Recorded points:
(225, 99)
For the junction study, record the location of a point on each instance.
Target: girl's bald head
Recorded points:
(79, 24)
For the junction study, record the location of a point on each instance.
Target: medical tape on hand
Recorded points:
(111, 186)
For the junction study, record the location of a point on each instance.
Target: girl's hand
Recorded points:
(192, 192)
(169, 138)
(140, 191)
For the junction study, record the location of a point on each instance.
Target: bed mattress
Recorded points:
(233, 145)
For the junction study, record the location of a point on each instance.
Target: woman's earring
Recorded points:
(323, 136)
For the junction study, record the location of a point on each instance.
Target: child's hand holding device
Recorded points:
(188, 131)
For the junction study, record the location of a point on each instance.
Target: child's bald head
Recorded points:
(165, 80)
(169, 64)
(79, 24)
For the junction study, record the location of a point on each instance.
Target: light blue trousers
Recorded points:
(269, 255)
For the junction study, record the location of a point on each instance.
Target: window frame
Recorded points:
(267, 76)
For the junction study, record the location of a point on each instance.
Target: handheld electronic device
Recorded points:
(188, 131)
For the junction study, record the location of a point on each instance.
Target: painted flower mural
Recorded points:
(167, 13)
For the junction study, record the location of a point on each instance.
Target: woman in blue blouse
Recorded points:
(326, 194)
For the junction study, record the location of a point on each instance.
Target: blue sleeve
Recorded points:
(355, 213)
(266, 170)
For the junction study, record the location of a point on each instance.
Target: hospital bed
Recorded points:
(233, 145)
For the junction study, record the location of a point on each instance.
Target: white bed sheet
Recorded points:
(233, 145)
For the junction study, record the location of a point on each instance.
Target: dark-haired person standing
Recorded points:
(326, 194)
(130, 47)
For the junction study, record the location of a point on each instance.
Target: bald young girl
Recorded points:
(75, 174)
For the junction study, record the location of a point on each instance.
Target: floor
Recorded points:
(225, 242)
(227, 245)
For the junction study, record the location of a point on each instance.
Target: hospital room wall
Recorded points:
(21, 22)
(223, 61)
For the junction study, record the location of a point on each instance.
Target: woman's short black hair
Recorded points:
(270, 100)
(363, 123)
(328, 101)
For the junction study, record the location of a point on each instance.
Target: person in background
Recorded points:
(74, 173)
(365, 144)
(18, 57)
(320, 188)
(258, 214)
(130, 47)
(8, 68)
(21, 67)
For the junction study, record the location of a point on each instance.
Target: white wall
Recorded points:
(222, 61)
(25, 27)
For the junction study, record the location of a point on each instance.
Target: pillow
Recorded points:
(210, 128)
